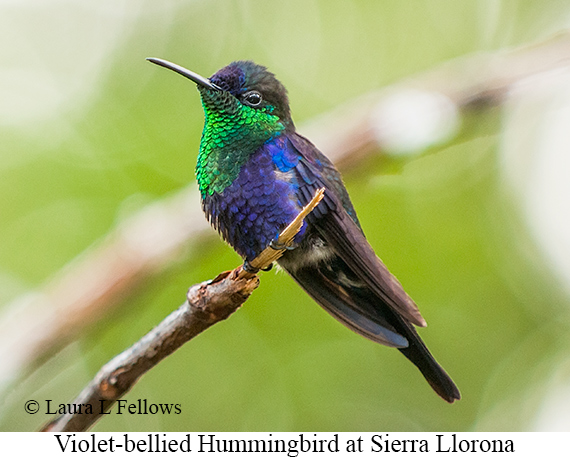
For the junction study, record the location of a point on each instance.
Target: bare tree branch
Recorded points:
(207, 303)
(37, 323)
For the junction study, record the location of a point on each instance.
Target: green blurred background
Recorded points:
(91, 132)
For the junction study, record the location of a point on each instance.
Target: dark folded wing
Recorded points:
(337, 224)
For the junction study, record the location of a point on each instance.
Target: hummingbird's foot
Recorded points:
(247, 267)
(280, 246)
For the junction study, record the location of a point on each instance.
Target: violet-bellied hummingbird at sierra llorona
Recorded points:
(255, 173)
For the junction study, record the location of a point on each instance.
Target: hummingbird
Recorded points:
(255, 173)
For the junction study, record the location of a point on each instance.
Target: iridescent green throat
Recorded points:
(232, 133)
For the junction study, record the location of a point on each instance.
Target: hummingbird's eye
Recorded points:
(252, 98)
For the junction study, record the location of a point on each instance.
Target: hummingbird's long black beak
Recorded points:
(204, 82)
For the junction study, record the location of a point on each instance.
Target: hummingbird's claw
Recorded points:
(280, 246)
(247, 267)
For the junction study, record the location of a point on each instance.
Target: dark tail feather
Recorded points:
(435, 375)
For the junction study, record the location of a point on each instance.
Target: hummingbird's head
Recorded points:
(241, 90)
(254, 87)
